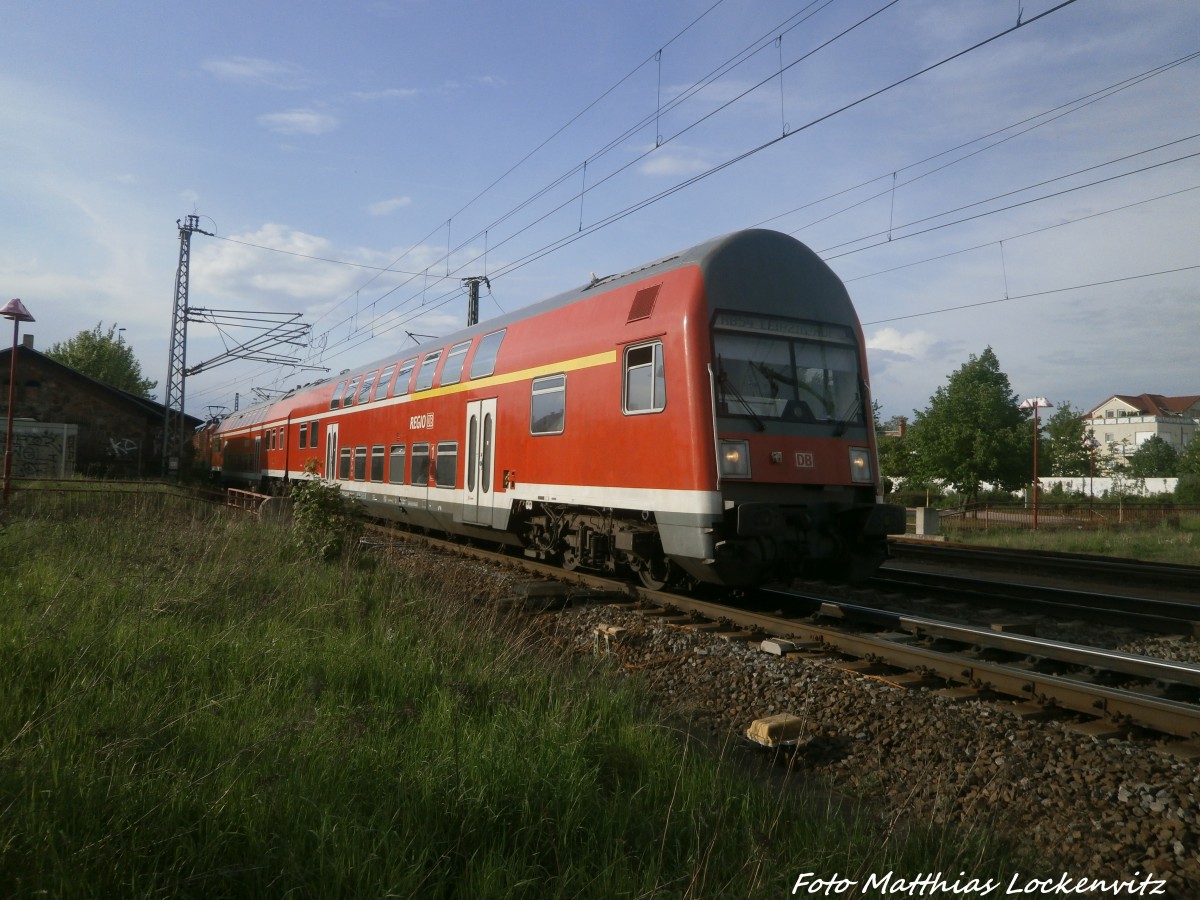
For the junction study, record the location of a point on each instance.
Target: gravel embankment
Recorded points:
(1093, 808)
(1098, 808)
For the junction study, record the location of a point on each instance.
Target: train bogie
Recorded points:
(705, 418)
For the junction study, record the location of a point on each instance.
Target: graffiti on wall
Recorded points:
(125, 448)
(46, 451)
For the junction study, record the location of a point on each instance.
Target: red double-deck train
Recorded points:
(701, 419)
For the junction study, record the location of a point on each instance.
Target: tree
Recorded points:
(1189, 459)
(1155, 458)
(106, 357)
(1066, 442)
(894, 454)
(973, 431)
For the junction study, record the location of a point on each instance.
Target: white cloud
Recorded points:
(299, 121)
(912, 344)
(253, 70)
(385, 94)
(304, 274)
(385, 207)
(663, 162)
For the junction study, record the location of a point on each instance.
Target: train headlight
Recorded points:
(734, 459)
(860, 466)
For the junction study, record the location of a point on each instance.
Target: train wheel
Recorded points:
(654, 575)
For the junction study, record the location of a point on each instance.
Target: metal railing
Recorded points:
(1079, 516)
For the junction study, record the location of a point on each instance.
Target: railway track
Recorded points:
(1122, 689)
(1118, 691)
(1100, 794)
(1160, 615)
(1180, 581)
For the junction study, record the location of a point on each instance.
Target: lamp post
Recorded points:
(1091, 444)
(1035, 403)
(16, 311)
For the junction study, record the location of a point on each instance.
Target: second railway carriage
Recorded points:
(704, 418)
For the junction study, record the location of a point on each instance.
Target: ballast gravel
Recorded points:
(1100, 808)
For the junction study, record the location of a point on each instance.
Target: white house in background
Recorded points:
(1122, 423)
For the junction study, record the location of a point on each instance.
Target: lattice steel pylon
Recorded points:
(173, 420)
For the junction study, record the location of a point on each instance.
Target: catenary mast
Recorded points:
(173, 419)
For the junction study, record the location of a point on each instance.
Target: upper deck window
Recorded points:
(645, 385)
(452, 370)
(336, 400)
(425, 373)
(365, 391)
(548, 405)
(381, 386)
(483, 363)
(348, 397)
(787, 371)
(404, 376)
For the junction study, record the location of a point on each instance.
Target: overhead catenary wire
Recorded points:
(394, 314)
(1045, 293)
(1013, 237)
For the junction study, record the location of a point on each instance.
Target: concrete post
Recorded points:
(927, 520)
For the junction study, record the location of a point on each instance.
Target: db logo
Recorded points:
(804, 460)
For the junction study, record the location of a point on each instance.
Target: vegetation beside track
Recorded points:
(195, 708)
(1174, 540)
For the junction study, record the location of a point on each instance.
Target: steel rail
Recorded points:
(1097, 569)
(1123, 707)
(1026, 645)
(1150, 614)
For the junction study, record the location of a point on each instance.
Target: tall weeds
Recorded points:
(192, 707)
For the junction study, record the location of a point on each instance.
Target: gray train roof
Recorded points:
(738, 269)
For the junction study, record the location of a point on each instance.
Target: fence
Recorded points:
(67, 498)
(1082, 516)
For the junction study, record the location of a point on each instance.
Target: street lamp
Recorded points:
(1035, 403)
(1091, 444)
(16, 311)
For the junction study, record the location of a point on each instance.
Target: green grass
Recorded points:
(1175, 542)
(191, 708)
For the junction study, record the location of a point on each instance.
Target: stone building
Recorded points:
(117, 434)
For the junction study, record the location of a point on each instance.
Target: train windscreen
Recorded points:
(783, 370)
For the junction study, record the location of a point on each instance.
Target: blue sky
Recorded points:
(1032, 194)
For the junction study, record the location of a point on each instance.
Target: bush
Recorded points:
(324, 522)
(914, 493)
(1187, 491)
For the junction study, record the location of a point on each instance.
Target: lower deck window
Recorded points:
(396, 464)
(446, 470)
(344, 464)
(377, 459)
(420, 465)
(360, 463)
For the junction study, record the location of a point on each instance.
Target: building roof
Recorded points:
(150, 408)
(1153, 405)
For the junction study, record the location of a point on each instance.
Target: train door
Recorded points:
(331, 451)
(480, 461)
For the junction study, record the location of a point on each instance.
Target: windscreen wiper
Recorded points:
(724, 384)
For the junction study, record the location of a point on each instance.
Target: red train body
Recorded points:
(704, 418)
